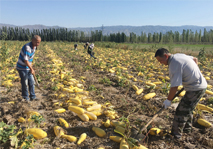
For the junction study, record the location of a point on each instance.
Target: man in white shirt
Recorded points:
(183, 70)
(90, 51)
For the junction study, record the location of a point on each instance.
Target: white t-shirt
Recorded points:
(184, 71)
(91, 46)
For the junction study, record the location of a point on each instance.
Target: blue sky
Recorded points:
(95, 13)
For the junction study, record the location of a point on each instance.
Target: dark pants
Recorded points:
(27, 80)
(184, 112)
(91, 54)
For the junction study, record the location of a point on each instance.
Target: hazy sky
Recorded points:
(95, 13)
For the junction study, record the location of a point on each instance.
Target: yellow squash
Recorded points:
(139, 91)
(76, 109)
(107, 123)
(58, 131)
(154, 131)
(149, 96)
(75, 100)
(157, 83)
(89, 102)
(117, 123)
(83, 117)
(82, 138)
(94, 107)
(150, 84)
(140, 147)
(203, 107)
(115, 138)
(91, 115)
(123, 144)
(135, 87)
(120, 129)
(31, 113)
(21, 120)
(97, 113)
(204, 123)
(99, 132)
(70, 138)
(36, 132)
(61, 110)
(63, 122)
(209, 92)
(182, 93)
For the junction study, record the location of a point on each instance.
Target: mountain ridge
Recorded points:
(127, 29)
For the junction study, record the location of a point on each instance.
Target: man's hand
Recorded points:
(196, 60)
(32, 71)
(166, 103)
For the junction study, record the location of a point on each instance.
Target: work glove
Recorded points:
(166, 103)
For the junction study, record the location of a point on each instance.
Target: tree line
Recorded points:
(63, 34)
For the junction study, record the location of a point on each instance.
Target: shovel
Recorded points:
(138, 135)
(37, 83)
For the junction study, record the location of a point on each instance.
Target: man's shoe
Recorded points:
(25, 100)
(35, 99)
(177, 137)
(187, 130)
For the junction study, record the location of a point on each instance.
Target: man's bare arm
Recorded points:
(29, 65)
(172, 93)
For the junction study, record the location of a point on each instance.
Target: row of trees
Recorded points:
(63, 34)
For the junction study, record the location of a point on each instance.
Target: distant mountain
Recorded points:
(126, 29)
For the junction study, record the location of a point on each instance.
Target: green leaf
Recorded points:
(132, 142)
(118, 132)
(2, 124)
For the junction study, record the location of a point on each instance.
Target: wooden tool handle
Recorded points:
(35, 79)
(156, 115)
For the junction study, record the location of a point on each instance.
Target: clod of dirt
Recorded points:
(189, 145)
(8, 119)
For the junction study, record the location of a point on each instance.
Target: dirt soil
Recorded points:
(124, 100)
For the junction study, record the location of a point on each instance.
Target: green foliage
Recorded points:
(28, 142)
(167, 116)
(6, 131)
(106, 81)
(143, 107)
(123, 82)
(91, 88)
(100, 63)
(131, 141)
(165, 87)
(38, 77)
(4, 52)
(210, 100)
(37, 119)
(202, 55)
(88, 67)
(108, 64)
(140, 69)
(54, 88)
(119, 70)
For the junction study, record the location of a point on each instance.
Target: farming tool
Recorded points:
(138, 135)
(38, 84)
